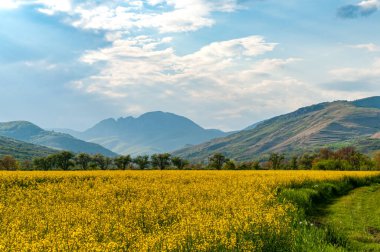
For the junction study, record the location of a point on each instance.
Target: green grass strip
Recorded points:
(357, 217)
(329, 221)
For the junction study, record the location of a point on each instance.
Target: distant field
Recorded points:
(154, 210)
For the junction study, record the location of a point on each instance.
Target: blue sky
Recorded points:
(223, 63)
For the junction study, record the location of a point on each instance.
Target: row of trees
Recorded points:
(347, 158)
(343, 159)
(67, 160)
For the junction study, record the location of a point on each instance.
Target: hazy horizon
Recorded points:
(139, 115)
(224, 64)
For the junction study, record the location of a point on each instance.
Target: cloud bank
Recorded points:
(228, 78)
(166, 16)
(356, 79)
(370, 47)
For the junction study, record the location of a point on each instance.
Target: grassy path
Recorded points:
(355, 218)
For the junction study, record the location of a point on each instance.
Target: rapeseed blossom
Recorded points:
(149, 210)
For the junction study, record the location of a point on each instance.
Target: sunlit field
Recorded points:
(151, 210)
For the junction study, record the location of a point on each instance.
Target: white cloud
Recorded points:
(178, 16)
(371, 73)
(8, 4)
(369, 4)
(140, 55)
(166, 16)
(40, 64)
(228, 78)
(371, 47)
(362, 81)
(52, 6)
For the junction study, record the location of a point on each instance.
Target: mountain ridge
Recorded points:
(309, 127)
(28, 132)
(148, 133)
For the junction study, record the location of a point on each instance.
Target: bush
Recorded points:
(330, 164)
(229, 165)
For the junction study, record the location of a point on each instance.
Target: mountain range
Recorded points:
(330, 124)
(30, 133)
(152, 132)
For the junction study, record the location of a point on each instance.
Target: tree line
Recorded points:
(344, 159)
(347, 158)
(66, 160)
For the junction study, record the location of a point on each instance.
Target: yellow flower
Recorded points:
(148, 210)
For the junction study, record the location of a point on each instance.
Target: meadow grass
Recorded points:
(355, 218)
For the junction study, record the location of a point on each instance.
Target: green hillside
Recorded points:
(28, 132)
(333, 124)
(22, 150)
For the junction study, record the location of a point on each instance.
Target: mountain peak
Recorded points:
(20, 129)
(31, 133)
(155, 131)
(18, 124)
(161, 115)
(157, 113)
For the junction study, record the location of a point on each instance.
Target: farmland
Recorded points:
(157, 210)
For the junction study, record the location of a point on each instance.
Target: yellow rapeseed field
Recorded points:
(148, 210)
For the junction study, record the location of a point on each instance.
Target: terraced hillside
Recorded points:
(327, 124)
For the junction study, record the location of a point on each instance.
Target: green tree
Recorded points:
(328, 164)
(41, 163)
(229, 165)
(51, 162)
(306, 161)
(109, 162)
(243, 166)
(63, 160)
(217, 160)
(101, 161)
(161, 161)
(83, 160)
(122, 162)
(276, 160)
(255, 165)
(142, 161)
(293, 164)
(179, 162)
(366, 163)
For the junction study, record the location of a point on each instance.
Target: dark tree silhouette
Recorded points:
(217, 160)
(161, 161)
(142, 161)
